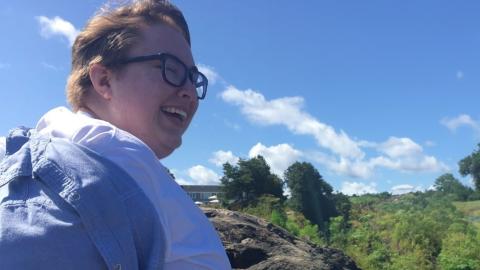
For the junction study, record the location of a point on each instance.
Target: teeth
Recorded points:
(182, 114)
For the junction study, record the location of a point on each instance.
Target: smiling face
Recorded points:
(142, 103)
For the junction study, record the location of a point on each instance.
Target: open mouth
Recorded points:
(175, 112)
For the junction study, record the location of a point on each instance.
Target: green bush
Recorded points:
(264, 206)
(460, 251)
(310, 232)
(412, 231)
(278, 218)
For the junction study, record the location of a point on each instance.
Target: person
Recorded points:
(85, 189)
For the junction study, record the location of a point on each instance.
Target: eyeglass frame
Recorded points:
(162, 58)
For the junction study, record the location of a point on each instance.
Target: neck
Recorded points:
(86, 109)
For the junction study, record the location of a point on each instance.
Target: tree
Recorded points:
(310, 194)
(448, 184)
(340, 225)
(471, 165)
(342, 206)
(249, 180)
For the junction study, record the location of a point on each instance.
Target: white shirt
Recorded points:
(191, 240)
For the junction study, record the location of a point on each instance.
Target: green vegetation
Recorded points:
(251, 187)
(275, 211)
(448, 185)
(437, 229)
(412, 231)
(249, 180)
(471, 210)
(470, 165)
(310, 194)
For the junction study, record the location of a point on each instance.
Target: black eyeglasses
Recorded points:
(175, 72)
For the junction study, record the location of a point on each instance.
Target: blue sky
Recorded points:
(377, 95)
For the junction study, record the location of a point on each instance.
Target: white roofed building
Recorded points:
(203, 193)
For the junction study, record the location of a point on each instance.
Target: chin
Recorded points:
(164, 150)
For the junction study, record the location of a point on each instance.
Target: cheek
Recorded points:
(195, 108)
(145, 97)
(142, 84)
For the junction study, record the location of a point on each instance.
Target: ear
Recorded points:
(100, 77)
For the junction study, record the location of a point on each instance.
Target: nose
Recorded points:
(188, 91)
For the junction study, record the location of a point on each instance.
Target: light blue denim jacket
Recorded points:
(62, 206)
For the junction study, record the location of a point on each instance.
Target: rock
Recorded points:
(255, 244)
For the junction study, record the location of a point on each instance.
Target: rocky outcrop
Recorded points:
(255, 244)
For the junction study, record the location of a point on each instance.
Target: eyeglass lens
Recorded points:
(175, 71)
(176, 74)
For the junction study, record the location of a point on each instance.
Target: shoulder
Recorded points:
(75, 127)
(94, 134)
(104, 139)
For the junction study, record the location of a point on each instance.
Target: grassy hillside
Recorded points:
(471, 210)
(422, 231)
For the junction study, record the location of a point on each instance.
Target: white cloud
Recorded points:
(430, 143)
(203, 176)
(462, 120)
(367, 144)
(57, 27)
(278, 157)
(400, 147)
(347, 156)
(402, 189)
(182, 181)
(351, 188)
(221, 157)
(210, 72)
(405, 155)
(288, 111)
(409, 160)
(471, 182)
(343, 166)
(460, 74)
(416, 163)
(178, 178)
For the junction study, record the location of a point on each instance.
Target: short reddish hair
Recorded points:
(110, 34)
